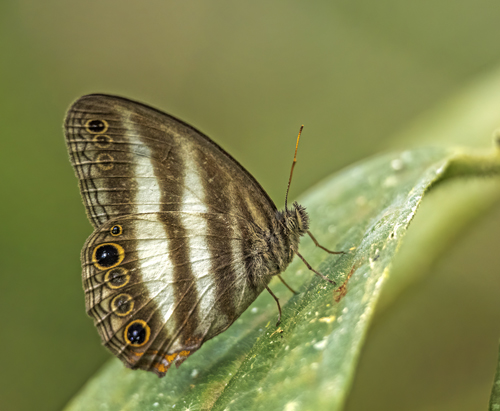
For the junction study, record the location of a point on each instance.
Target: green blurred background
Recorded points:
(248, 74)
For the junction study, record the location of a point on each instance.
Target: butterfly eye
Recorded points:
(137, 333)
(116, 230)
(122, 305)
(117, 278)
(96, 126)
(107, 255)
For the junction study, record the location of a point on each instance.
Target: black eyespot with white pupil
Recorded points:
(107, 255)
(96, 126)
(137, 333)
(116, 230)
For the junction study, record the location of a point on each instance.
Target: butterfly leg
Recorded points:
(286, 285)
(312, 269)
(323, 248)
(277, 302)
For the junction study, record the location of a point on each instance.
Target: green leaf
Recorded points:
(495, 391)
(308, 363)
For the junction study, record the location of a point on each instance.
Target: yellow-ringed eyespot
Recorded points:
(122, 305)
(117, 278)
(102, 140)
(137, 333)
(107, 255)
(116, 230)
(96, 126)
(105, 161)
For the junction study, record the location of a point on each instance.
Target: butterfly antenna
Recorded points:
(293, 166)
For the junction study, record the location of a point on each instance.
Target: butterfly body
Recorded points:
(185, 238)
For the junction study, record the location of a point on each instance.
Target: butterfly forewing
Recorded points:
(179, 231)
(131, 158)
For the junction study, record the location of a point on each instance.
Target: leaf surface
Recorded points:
(495, 391)
(308, 362)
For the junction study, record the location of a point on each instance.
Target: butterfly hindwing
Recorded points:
(179, 247)
(132, 279)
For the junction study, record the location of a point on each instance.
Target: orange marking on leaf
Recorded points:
(340, 292)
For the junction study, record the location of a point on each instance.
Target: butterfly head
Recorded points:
(296, 219)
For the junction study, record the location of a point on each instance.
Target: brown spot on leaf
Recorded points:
(340, 292)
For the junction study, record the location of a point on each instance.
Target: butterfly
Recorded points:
(185, 238)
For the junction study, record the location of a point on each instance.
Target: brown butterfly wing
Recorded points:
(178, 251)
(131, 158)
(132, 283)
